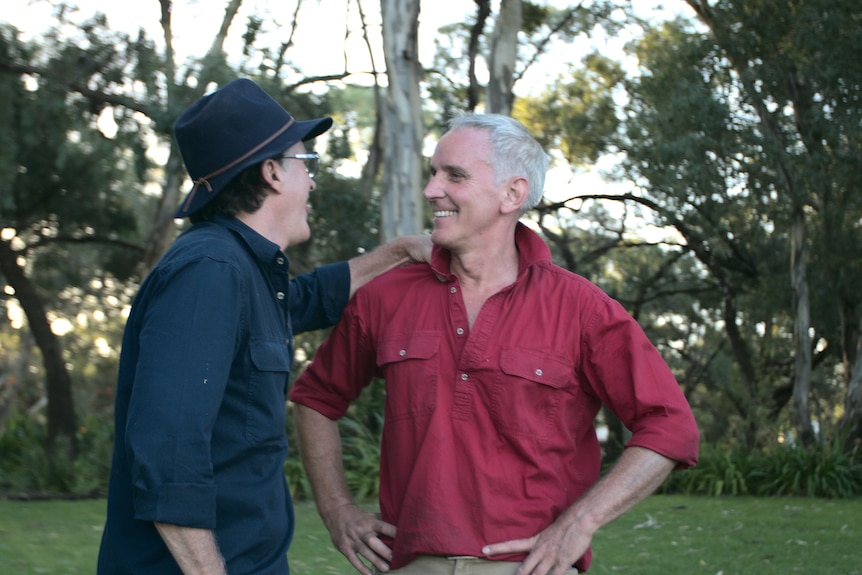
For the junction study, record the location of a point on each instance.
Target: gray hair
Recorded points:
(514, 151)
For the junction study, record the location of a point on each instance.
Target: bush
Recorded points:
(718, 472)
(817, 471)
(26, 469)
(361, 454)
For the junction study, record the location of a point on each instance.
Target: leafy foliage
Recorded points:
(817, 471)
(24, 469)
(360, 431)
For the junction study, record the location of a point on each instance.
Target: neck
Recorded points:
(260, 222)
(489, 269)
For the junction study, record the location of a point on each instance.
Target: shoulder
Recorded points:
(204, 253)
(205, 241)
(408, 276)
(554, 277)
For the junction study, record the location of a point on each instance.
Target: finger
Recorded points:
(357, 563)
(376, 560)
(380, 548)
(535, 565)
(530, 566)
(386, 529)
(513, 546)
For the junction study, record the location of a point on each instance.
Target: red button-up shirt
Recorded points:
(489, 432)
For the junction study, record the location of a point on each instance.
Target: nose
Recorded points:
(313, 185)
(432, 189)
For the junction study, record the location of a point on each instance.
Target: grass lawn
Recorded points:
(664, 535)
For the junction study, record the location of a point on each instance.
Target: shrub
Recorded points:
(361, 449)
(25, 468)
(718, 472)
(361, 456)
(818, 471)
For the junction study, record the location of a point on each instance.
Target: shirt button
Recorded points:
(279, 295)
(453, 289)
(539, 372)
(280, 261)
(464, 377)
(460, 331)
(402, 353)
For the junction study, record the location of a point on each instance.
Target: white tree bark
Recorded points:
(402, 121)
(504, 53)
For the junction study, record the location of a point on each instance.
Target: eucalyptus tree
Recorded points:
(68, 199)
(65, 185)
(522, 35)
(798, 69)
(685, 151)
(744, 139)
(402, 120)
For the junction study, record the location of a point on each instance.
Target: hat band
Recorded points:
(204, 180)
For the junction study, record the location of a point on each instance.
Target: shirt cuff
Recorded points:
(336, 277)
(186, 504)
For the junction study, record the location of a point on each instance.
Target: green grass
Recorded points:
(51, 537)
(664, 535)
(673, 534)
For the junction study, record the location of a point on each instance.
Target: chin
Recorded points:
(438, 238)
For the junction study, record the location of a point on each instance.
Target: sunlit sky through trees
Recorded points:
(329, 40)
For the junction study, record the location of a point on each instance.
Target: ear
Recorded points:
(269, 173)
(516, 193)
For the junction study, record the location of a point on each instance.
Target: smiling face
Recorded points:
(468, 203)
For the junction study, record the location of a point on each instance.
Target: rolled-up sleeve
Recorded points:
(182, 374)
(627, 372)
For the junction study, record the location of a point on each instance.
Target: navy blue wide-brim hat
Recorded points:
(229, 130)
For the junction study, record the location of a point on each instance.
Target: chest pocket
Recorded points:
(410, 366)
(528, 392)
(265, 399)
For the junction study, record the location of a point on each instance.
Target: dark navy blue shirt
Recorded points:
(200, 407)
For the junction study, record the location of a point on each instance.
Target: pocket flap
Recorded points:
(536, 366)
(269, 354)
(403, 347)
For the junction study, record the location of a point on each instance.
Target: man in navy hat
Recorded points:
(196, 482)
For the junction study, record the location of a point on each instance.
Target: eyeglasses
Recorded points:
(312, 161)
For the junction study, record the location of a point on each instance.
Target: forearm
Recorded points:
(355, 532)
(636, 474)
(195, 550)
(393, 254)
(320, 450)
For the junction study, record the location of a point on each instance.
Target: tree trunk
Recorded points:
(777, 147)
(371, 168)
(58, 383)
(802, 322)
(850, 425)
(483, 11)
(402, 121)
(164, 231)
(13, 380)
(504, 54)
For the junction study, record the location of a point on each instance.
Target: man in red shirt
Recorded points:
(496, 364)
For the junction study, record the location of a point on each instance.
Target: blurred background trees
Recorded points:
(727, 222)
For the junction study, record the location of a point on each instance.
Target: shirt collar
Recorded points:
(531, 249)
(263, 249)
